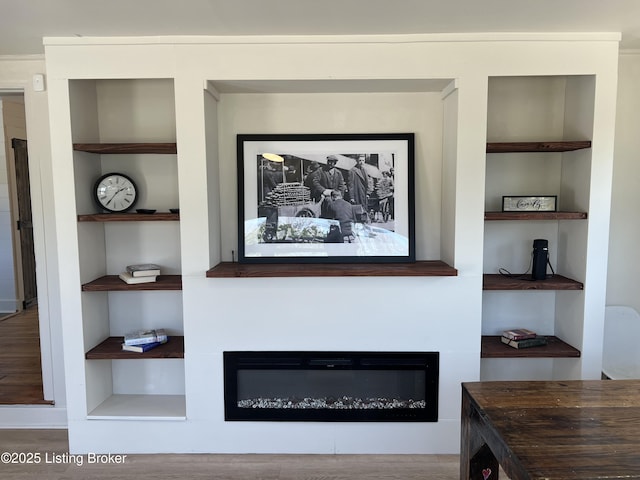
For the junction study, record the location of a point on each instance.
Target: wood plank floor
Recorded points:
(47, 443)
(20, 370)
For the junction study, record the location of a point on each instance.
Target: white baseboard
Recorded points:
(32, 416)
(8, 305)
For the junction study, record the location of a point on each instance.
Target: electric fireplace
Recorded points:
(331, 386)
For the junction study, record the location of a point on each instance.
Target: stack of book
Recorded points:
(140, 273)
(144, 340)
(522, 338)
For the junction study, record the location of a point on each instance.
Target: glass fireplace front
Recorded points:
(331, 386)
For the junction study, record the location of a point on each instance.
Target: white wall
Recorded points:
(624, 254)
(416, 112)
(16, 74)
(322, 314)
(7, 274)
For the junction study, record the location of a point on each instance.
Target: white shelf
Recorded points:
(141, 407)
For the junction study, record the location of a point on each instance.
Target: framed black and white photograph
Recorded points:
(326, 198)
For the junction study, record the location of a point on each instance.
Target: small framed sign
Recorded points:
(547, 203)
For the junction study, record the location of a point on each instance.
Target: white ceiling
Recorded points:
(23, 23)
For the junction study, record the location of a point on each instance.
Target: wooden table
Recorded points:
(579, 430)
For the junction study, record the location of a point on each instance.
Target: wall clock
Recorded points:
(115, 192)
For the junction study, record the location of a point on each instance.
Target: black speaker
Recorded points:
(540, 257)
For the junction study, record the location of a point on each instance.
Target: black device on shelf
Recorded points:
(540, 259)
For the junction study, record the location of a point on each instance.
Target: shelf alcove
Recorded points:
(108, 118)
(246, 98)
(557, 163)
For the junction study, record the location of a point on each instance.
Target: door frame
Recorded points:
(24, 223)
(52, 388)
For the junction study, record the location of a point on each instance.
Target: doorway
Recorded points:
(19, 253)
(18, 277)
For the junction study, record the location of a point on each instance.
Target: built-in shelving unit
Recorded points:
(413, 269)
(130, 108)
(554, 167)
(129, 385)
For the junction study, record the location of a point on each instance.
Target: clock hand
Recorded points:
(113, 196)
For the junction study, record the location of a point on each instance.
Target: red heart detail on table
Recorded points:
(486, 473)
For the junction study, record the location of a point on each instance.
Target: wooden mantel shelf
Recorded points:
(415, 269)
(524, 282)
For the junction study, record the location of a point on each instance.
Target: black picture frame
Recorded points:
(289, 205)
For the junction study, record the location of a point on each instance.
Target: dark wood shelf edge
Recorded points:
(111, 349)
(497, 281)
(515, 147)
(492, 347)
(109, 283)
(535, 215)
(124, 148)
(129, 217)
(414, 269)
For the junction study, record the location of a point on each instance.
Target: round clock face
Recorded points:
(115, 192)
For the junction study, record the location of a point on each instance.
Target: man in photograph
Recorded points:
(330, 178)
(341, 210)
(313, 171)
(360, 184)
(269, 176)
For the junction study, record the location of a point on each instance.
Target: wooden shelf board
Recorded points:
(514, 147)
(492, 347)
(523, 282)
(535, 215)
(111, 349)
(113, 283)
(414, 269)
(129, 217)
(141, 407)
(125, 148)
